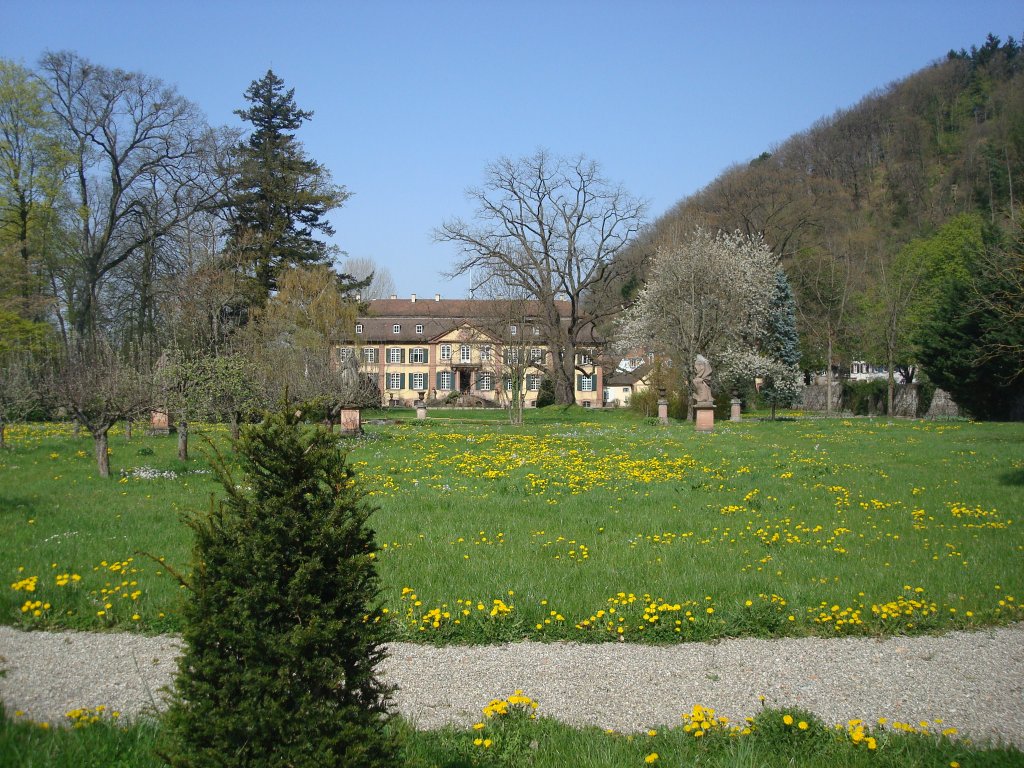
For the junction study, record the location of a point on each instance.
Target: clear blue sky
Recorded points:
(413, 99)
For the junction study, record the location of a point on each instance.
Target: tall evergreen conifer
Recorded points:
(283, 634)
(781, 341)
(279, 196)
(781, 345)
(972, 350)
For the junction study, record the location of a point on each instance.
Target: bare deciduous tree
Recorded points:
(19, 392)
(143, 161)
(360, 268)
(825, 282)
(99, 388)
(551, 228)
(509, 320)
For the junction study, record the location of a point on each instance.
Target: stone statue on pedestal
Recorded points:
(350, 384)
(702, 380)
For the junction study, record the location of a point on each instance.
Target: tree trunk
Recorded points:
(891, 388)
(565, 383)
(99, 440)
(235, 418)
(128, 429)
(515, 409)
(3, 431)
(828, 378)
(183, 440)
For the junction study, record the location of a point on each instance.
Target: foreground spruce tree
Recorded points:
(282, 631)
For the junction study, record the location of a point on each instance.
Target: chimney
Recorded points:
(414, 298)
(394, 296)
(437, 297)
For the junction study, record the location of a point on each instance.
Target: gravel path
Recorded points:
(973, 681)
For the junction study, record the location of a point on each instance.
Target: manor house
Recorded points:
(466, 351)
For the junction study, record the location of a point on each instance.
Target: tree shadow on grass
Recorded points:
(1013, 477)
(11, 505)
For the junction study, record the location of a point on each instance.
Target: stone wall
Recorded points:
(943, 407)
(904, 402)
(815, 396)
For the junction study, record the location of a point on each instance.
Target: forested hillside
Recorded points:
(886, 215)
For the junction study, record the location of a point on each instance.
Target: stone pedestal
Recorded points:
(663, 412)
(350, 422)
(159, 423)
(421, 410)
(705, 421)
(734, 412)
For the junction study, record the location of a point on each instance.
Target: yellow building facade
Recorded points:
(463, 352)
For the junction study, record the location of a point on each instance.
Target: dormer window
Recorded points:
(513, 330)
(359, 327)
(419, 328)
(396, 328)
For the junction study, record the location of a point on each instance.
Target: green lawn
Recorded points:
(773, 738)
(580, 524)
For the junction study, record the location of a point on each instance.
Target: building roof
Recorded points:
(439, 316)
(622, 378)
(448, 308)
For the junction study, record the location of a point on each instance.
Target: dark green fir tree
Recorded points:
(279, 197)
(972, 343)
(781, 345)
(283, 633)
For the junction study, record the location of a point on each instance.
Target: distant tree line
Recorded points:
(140, 246)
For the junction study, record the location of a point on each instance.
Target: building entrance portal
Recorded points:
(465, 379)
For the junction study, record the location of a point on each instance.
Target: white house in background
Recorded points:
(634, 360)
(627, 381)
(861, 370)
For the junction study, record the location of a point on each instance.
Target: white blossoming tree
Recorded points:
(775, 362)
(781, 382)
(709, 294)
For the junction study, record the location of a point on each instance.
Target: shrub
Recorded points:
(282, 635)
(865, 398)
(646, 403)
(546, 393)
(925, 395)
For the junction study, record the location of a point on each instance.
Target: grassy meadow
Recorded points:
(521, 736)
(578, 525)
(582, 525)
